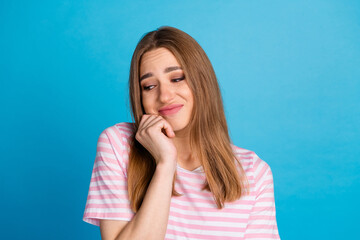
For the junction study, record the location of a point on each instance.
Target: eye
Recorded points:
(178, 79)
(147, 88)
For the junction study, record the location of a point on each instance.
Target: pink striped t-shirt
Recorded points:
(193, 215)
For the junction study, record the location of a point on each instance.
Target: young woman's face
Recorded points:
(164, 88)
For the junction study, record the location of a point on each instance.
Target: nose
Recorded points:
(166, 93)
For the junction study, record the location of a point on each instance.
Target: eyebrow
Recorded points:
(168, 69)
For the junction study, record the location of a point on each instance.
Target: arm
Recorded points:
(156, 203)
(156, 206)
(262, 221)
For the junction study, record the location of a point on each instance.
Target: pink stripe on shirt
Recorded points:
(194, 214)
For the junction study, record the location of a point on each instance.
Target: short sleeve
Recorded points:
(262, 221)
(108, 197)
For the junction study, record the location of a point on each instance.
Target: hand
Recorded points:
(155, 135)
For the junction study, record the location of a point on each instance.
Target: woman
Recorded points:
(174, 173)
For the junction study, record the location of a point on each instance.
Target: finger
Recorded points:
(145, 121)
(161, 124)
(168, 129)
(155, 123)
(165, 127)
(142, 126)
(149, 121)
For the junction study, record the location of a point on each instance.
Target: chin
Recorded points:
(177, 125)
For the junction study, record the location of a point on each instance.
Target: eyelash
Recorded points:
(147, 88)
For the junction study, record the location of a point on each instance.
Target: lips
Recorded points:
(171, 109)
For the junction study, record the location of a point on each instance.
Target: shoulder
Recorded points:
(250, 161)
(257, 171)
(124, 128)
(116, 139)
(119, 133)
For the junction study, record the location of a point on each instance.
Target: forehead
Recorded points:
(157, 59)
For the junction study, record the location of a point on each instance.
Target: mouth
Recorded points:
(172, 109)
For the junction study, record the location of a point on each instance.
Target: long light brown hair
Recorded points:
(209, 137)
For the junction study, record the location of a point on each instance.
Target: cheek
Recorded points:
(144, 103)
(147, 104)
(189, 95)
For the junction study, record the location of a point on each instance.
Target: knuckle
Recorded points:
(137, 136)
(144, 117)
(147, 131)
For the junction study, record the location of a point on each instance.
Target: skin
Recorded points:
(166, 88)
(166, 138)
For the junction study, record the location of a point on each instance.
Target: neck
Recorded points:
(182, 144)
(186, 156)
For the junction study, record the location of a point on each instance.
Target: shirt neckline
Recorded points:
(196, 170)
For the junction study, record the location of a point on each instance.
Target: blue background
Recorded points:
(289, 74)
